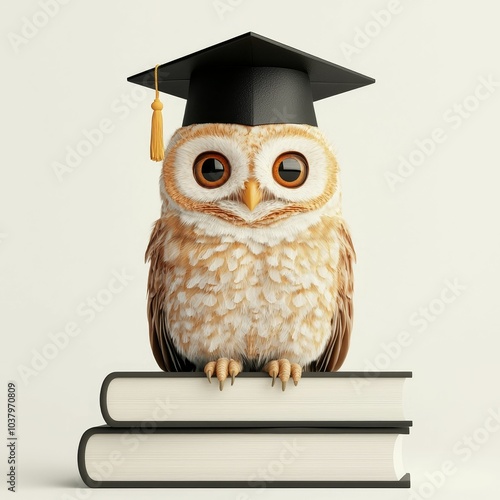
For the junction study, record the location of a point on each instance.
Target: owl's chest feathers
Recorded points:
(223, 294)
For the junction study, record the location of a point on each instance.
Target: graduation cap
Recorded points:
(249, 80)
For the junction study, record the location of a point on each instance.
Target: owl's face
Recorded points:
(249, 176)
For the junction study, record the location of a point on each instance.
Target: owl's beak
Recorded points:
(251, 194)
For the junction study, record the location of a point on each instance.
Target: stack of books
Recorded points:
(340, 429)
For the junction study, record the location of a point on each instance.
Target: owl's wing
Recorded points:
(164, 350)
(336, 349)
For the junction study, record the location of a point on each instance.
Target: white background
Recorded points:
(62, 238)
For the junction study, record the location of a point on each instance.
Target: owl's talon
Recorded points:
(234, 368)
(272, 368)
(221, 371)
(296, 371)
(284, 370)
(222, 368)
(209, 370)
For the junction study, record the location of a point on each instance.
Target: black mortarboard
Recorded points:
(250, 80)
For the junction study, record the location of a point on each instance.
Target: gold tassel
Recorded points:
(156, 148)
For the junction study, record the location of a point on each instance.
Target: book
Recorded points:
(340, 399)
(322, 457)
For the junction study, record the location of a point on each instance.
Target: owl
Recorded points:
(250, 260)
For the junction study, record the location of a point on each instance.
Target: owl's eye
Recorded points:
(290, 170)
(211, 170)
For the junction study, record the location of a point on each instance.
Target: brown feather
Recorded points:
(336, 349)
(164, 350)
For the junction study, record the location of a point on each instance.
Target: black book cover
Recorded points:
(404, 482)
(250, 423)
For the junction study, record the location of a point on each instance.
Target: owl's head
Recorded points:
(249, 176)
